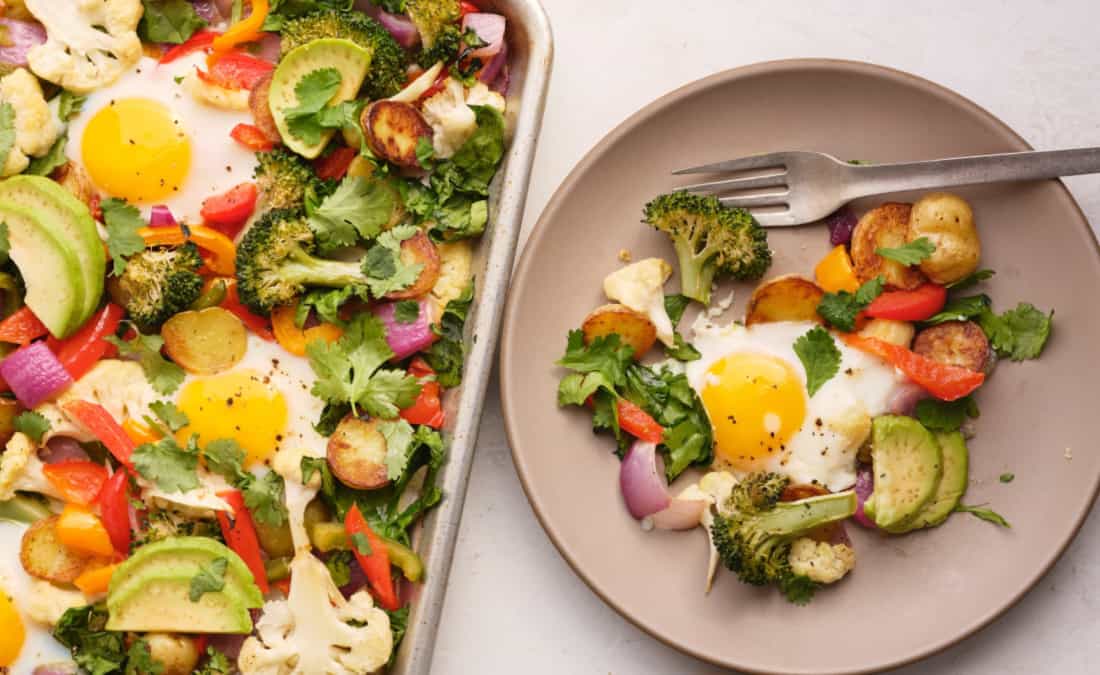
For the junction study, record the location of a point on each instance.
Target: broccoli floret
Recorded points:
(432, 17)
(753, 531)
(275, 262)
(446, 48)
(159, 283)
(287, 181)
(709, 239)
(387, 66)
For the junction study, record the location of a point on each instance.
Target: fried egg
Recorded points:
(146, 140)
(753, 387)
(22, 637)
(263, 402)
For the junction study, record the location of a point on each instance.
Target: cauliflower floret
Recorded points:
(481, 94)
(213, 95)
(119, 386)
(36, 126)
(287, 462)
(47, 602)
(821, 561)
(713, 488)
(456, 261)
(20, 469)
(312, 631)
(89, 43)
(452, 121)
(641, 288)
(16, 162)
(198, 502)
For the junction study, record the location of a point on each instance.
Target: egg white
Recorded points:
(217, 161)
(823, 452)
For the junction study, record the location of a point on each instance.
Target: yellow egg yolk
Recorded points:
(755, 403)
(135, 150)
(237, 405)
(13, 633)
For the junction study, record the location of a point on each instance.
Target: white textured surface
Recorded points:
(513, 604)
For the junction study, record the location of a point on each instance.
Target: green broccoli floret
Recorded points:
(159, 283)
(709, 239)
(446, 48)
(287, 181)
(387, 66)
(432, 17)
(275, 262)
(753, 531)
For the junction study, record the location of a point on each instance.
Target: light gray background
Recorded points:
(513, 605)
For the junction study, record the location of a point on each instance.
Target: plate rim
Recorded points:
(541, 229)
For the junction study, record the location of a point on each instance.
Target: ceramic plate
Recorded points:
(909, 596)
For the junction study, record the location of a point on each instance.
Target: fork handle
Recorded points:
(1010, 166)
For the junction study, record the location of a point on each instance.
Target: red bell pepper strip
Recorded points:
(80, 351)
(375, 562)
(943, 381)
(95, 420)
(22, 327)
(253, 322)
(229, 211)
(639, 423)
(236, 70)
(78, 481)
(427, 409)
(240, 534)
(114, 510)
(335, 165)
(200, 41)
(468, 8)
(916, 305)
(251, 137)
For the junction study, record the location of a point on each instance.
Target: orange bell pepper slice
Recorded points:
(95, 579)
(81, 530)
(223, 252)
(835, 272)
(945, 382)
(14, 633)
(139, 432)
(78, 481)
(247, 29)
(294, 339)
(21, 327)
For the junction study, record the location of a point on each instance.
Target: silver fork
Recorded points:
(793, 188)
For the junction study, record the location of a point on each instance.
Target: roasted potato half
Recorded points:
(393, 130)
(205, 342)
(956, 343)
(419, 249)
(357, 454)
(633, 328)
(176, 654)
(786, 298)
(888, 330)
(948, 222)
(884, 227)
(73, 178)
(44, 556)
(259, 104)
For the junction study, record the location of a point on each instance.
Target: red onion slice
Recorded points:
(642, 482)
(63, 449)
(161, 216)
(208, 11)
(865, 485)
(680, 514)
(490, 28)
(21, 37)
(398, 25)
(841, 223)
(270, 47)
(406, 339)
(493, 69)
(904, 400)
(34, 374)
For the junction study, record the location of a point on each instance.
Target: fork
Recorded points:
(811, 185)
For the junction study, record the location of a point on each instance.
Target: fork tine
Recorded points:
(771, 180)
(774, 218)
(765, 161)
(748, 201)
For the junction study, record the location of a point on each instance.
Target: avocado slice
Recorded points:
(193, 551)
(956, 475)
(50, 269)
(908, 464)
(53, 203)
(350, 60)
(159, 600)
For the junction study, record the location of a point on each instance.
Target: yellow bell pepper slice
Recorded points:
(139, 432)
(248, 29)
(95, 579)
(294, 339)
(13, 635)
(81, 530)
(835, 273)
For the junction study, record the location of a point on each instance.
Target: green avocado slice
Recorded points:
(908, 464)
(158, 599)
(193, 551)
(956, 475)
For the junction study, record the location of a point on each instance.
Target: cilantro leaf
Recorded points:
(406, 311)
(606, 355)
(358, 208)
(209, 579)
(216, 663)
(339, 567)
(399, 443)
(988, 515)
(317, 465)
(224, 456)
(819, 356)
(911, 253)
(387, 392)
(140, 661)
(171, 21)
(123, 222)
(164, 376)
(173, 468)
(939, 415)
(675, 305)
(1018, 334)
(447, 354)
(361, 544)
(840, 309)
(961, 309)
(425, 152)
(264, 498)
(972, 279)
(681, 350)
(69, 105)
(382, 264)
(7, 129)
(167, 412)
(1007, 477)
(313, 92)
(32, 424)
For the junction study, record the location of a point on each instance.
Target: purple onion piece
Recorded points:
(161, 216)
(21, 37)
(841, 223)
(62, 668)
(207, 11)
(34, 374)
(62, 449)
(503, 81)
(406, 339)
(270, 47)
(865, 485)
(398, 25)
(493, 69)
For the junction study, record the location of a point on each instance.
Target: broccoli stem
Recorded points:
(696, 270)
(303, 269)
(796, 518)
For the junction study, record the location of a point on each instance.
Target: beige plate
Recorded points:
(911, 595)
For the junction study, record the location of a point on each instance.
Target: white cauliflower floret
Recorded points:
(481, 94)
(198, 502)
(312, 631)
(213, 95)
(287, 462)
(821, 561)
(641, 288)
(36, 126)
(89, 43)
(452, 121)
(47, 602)
(20, 469)
(713, 488)
(119, 386)
(456, 259)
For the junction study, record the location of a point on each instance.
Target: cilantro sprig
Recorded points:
(840, 309)
(819, 355)
(911, 253)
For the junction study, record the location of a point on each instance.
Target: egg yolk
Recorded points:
(237, 405)
(755, 403)
(135, 150)
(13, 633)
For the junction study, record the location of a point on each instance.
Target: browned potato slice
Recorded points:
(786, 298)
(44, 556)
(419, 249)
(357, 454)
(633, 328)
(956, 343)
(73, 178)
(205, 342)
(948, 222)
(9, 410)
(176, 654)
(888, 330)
(260, 106)
(884, 227)
(393, 130)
